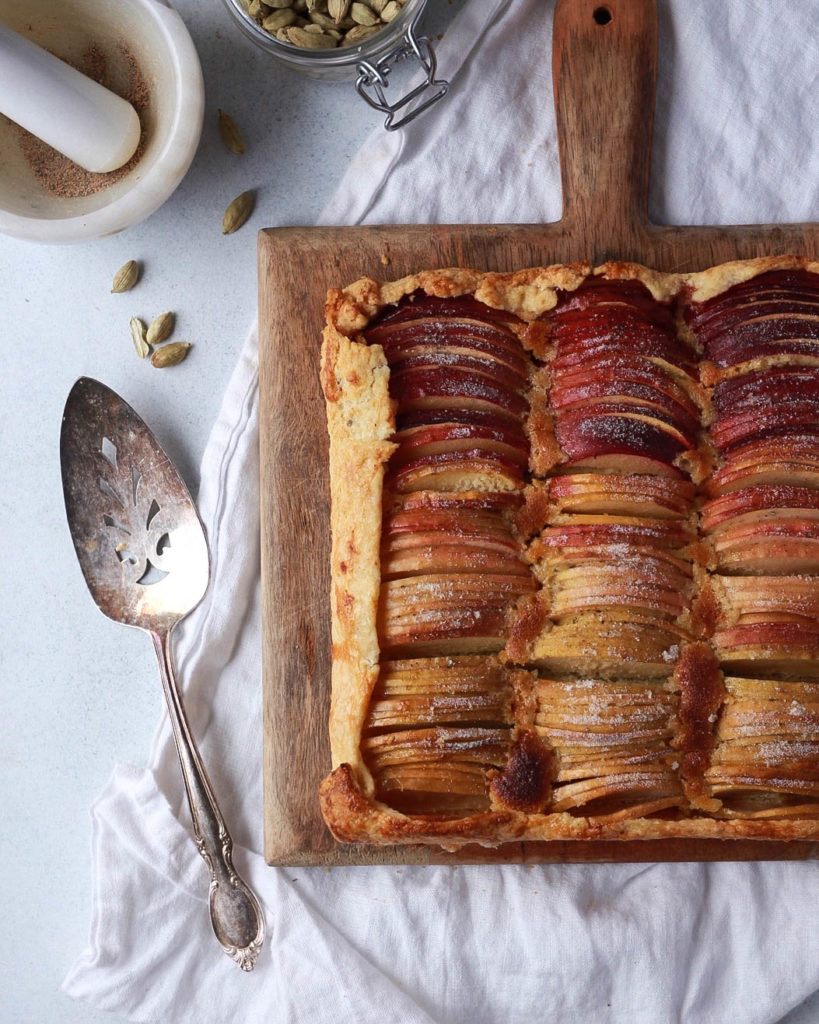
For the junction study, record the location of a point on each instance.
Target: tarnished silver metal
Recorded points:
(373, 79)
(143, 553)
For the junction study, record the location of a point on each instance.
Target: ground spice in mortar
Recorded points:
(61, 176)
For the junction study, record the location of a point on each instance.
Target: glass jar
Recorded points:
(368, 63)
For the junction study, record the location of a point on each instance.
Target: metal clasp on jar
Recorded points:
(373, 79)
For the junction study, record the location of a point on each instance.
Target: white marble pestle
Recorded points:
(71, 112)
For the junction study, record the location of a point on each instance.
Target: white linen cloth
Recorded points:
(735, 141)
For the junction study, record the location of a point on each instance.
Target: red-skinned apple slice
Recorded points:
(625, 392)
(419, 337)
(437, 387)
(413, 440)
(749, 390)
(623, 434)
(772, 286)
(485, 366)
(777, 502)
(774, 418)
(756, 339)
(457, 471)
(462, 307)
(614, 296)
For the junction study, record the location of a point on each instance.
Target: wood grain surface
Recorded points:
(604, 83)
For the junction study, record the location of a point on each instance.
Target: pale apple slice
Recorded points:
(625, 463)
(449, 558)
(738, 596)
(646, 585)
(769, 547)
(786, 648)
(608, 493)
(435, 770)
(451, 613)
(458, 472)
(465, 676)
(618, 643)
(444, 501)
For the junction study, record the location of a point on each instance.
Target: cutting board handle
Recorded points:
(604, 66)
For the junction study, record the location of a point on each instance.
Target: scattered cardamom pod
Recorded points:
(238, 211)
(138, 335)
(160, 329)
(126, 277)
(230, 133)
(170, 355)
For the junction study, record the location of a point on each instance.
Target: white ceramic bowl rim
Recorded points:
(146, 195)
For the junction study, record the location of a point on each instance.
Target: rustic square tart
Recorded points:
(574, 530)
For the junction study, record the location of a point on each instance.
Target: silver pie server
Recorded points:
(143, 553)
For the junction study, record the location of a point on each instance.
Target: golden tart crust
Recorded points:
(361, 415)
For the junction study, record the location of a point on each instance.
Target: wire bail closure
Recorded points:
(374, 77)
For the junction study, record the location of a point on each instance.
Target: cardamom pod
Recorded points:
(170, 355)
(126, 277)
(138, 336)
(338, 9)
(362, 15)
(310, 40)
(160, 329)
(230, 133)
(391, 11)
(324, 21)
(359, 33)
(279, 19)
(238, 210)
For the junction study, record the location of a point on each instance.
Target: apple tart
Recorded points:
(575, 518)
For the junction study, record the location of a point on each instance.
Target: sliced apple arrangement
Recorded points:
(766, 760)
(436, 727)
(613, 742)
(621, 498)
(623, 384)
(760, 340)
(615, 549)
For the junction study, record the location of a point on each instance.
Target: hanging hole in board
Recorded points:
(602, 15)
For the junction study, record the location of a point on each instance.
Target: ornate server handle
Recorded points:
(234, 910)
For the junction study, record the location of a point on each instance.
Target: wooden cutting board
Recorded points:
(604, 67)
